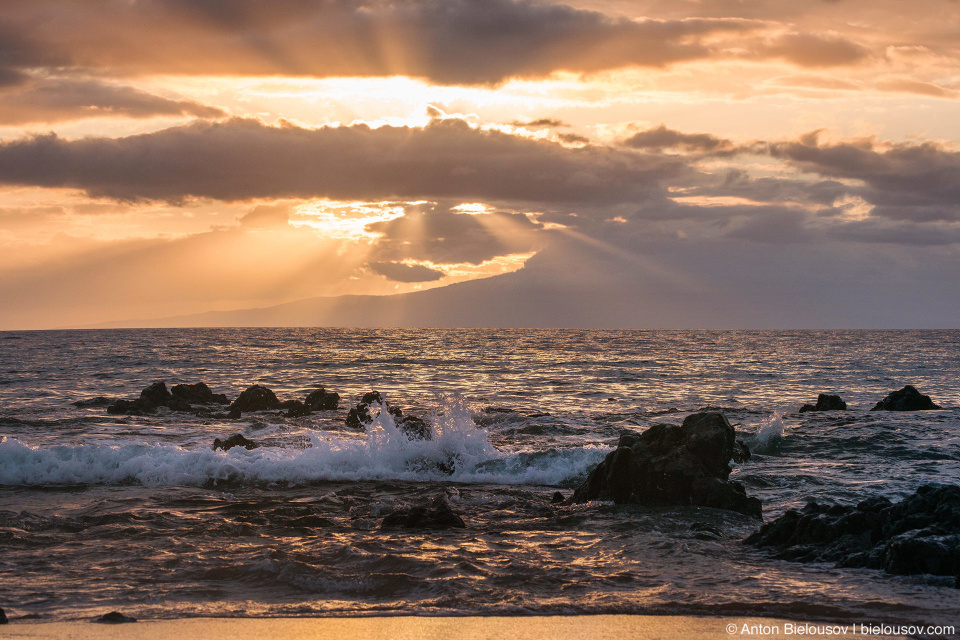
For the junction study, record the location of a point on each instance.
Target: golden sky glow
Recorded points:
(290, 150)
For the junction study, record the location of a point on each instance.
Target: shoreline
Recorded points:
(601, 627)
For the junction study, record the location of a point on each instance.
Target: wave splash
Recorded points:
(460, 451)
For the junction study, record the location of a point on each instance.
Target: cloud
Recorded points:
(266, 216)
(52, 100)
(815, 50)
(447, 41)
(913, 86)
(442, 236)
(242, 159)
(906, 181)
(399, 272)
(663, 138)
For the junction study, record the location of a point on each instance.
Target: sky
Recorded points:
(626, 163)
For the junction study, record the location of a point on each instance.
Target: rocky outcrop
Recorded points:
(236, 440)
(115, 617)
(322, 400)
(907, 399)
(359, 416)
(412, 427)
(255, 398)
(825, 402)
(919, 534)
(670, 465)
(198, 393)
(3, 617)
(157, 395)
(439, 515)
(151, 399)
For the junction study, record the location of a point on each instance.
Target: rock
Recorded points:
(741, 452)
(705, 531)
(322, 400)
(151, 399)
(115, 617)
(236, 440)
(3, 617)
(415, 428)
(256, 398)
(825, 402)
(557, 498)
(234, 414)
(439, 516)
(198, 393)
(99, 401)
(359, 416)
(920, 534)
(907, 399)
(668, 465)
(296, 409)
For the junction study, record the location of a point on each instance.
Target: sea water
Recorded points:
(101, 512)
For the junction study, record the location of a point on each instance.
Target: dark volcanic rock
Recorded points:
(359, 416)
(115, 617)
(3, 617)
(907, 399)
(415, 428)
(668, 465)
(236, 440)
(296, 409)
(438, 516)
(256, 398)
(151, 399)
(920, 534)
(741, 452)
(322, 400)
(235, 414)
(198, 393)
(557, 497)
(99, 401)
(825, 402)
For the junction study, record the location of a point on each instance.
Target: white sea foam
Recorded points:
(459, 451)
(769, 434)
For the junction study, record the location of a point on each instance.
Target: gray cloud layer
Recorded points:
(447, 41)
(242, 159)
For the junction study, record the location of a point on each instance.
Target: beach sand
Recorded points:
(601, 627)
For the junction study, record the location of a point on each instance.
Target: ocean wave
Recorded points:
(459, 452)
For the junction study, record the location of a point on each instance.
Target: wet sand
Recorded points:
(601, 627)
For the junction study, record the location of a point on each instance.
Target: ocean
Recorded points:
(139, 514)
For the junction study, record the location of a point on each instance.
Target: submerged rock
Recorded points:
(825, 402)
(919, 534)
(295, 409)
(322, 400)
(115, 617)
(198, 393)
(256, 398)
(99, 401)
(439, 515)
(907, 399)
(668, 465)
(236, 440)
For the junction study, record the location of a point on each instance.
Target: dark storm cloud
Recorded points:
(242, 159)
(51, 100)
(448, 41)
(907, 181)
(447, 237)
(399, 272)
(663, 138)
